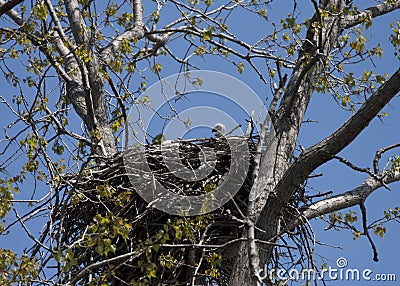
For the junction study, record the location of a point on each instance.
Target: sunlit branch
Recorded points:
(9, 5)
(372, 12)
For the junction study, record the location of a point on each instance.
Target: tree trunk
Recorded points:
(266, 210)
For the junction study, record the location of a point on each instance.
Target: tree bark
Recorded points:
(7, 6)
(345, 200)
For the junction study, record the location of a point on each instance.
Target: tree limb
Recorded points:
(91, 267)
(323, 151)
(289, 116)
(372, 12)
(366, 233)
(12, 14)
(342, 201)
(379, 153)
(136, 33)
(5, 7)
(76, 22)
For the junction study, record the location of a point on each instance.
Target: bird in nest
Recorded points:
(219, 130)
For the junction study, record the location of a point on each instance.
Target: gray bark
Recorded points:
(345, 200)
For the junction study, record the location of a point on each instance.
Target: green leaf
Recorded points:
(158, 139)
(286, 37)
(240, 67)
(40, 11)
(157, 68)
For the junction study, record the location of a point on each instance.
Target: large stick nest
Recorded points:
(104, 190)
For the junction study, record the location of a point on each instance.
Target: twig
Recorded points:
(379, 153)
(250, 125)
(233, 129)
(80, 274)
(365, 228)
(354, 167)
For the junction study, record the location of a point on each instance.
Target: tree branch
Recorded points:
(372, 12)
(137, 32)
(9, 5)
(278, 91)
(294, 104)
(12, 14)
(76, 22)
(354, 167)
(138, 10)
(379, 153)
(91, 267)
(289, 116)
(366, 233)
(325, 150)
(344, 200)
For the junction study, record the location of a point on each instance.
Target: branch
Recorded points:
(365, 229)
(138, 10)
(77, 98)
(61, 40)
(85, 87)
(254, 262)
(345, 200)
(12, 14)
(354, 167)
(80, 274)
(31, 236)
(325, 150)
(136, 33)
(278, 91)
(76, 22)
(90, 86)
(289, 116)
(56, 20)
(379, 153)
(9, 5)
(371, 12)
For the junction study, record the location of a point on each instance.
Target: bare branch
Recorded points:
(253, 255)
(76, 22)
(365, 229)
(12, 13)
(278, 91)
(379, 154)
(345, 200)
(136, 33)
(138, 9)
(126, 256)
(9, 5)
(354, 167)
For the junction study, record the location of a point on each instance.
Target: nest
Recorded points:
(108, 192)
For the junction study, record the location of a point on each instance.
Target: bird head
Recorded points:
(219, 129)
